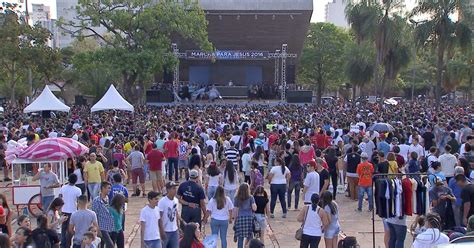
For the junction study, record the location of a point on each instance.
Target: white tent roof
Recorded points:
(46, 101)
(112, 100)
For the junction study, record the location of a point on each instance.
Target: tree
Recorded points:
(139, 35)
(396, 49)
(442, 32)
(359, 68)
(363, 17)
(323, 55)
(22, 47)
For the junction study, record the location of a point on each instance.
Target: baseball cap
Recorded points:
(364, 155)
(312, 163)
(193, 174)
(152, 194)
(171, 184)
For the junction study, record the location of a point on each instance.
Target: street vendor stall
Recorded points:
(25, 191)
(26, 162)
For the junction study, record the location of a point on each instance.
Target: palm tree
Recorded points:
(396, 49)
(441, 31)
(363, 17)
(359, 67)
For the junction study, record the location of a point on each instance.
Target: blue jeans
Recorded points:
(94, 189)
(211, 191)
(397, 235)
(294, 185)
(172, 240)
(230, 194)
(46, 201)
(369, 191)
(220, 227)
(173, 167)
(277, 190)
(153, 243)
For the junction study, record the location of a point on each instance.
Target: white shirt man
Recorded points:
(152, 230)
(448, 161)
(168, 207)
(415, 147)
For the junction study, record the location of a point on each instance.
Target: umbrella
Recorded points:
(54, 148)
(381, 128)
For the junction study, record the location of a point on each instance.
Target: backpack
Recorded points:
(424, 164)
(258, 178)
(348, 242)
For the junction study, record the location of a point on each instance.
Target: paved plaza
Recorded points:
(353, 224)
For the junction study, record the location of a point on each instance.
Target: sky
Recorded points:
(318, 7)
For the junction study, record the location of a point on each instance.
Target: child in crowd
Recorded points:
(88, 240)
(96, 241)
(418, 226)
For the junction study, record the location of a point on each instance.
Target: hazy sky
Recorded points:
(318, 14)
(318, 6)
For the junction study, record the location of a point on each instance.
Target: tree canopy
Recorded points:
(138, 36)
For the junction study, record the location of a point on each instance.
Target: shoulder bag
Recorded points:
(299, 232)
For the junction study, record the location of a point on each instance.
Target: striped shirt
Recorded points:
(231, 154)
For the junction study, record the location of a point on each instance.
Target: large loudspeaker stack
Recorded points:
(299, 96)
(159, 96)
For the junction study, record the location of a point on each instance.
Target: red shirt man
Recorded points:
(155, 157)
(365, 170)
(171, 147)
(272, 139)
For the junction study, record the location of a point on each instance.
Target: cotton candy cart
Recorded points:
(27, 193)
(24, 191)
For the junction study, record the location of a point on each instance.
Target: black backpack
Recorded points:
(424, 164)
(348, 242)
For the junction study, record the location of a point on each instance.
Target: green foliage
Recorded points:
(139, 35)
(439, 30)
(322, 57)
(23, 47)
(359, 68)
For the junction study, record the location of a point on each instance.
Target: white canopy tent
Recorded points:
(112, 100)
(46, 101)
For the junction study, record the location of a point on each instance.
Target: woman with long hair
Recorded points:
(246, 164)
(213, 180)
(43, 234)
(210, 157)
(263, 210)
(259, 157)
(6, 219)
(231, 180)
(332, 232)
(296, 180)
(244, 205)
(54, 216)
(5, 241)
(315, 220)
(278, 179)
(78, 170)
(331, 160)
(432, 236)
(191, 234)
(22, 238)
(220, 209)
(70, 166)
(116, 210)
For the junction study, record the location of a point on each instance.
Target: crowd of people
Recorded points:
(229, 166)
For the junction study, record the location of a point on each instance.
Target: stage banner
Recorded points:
(227, 55)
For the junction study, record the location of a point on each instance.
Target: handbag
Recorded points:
(299, 232)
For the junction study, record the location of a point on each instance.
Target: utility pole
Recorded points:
(30, 73)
